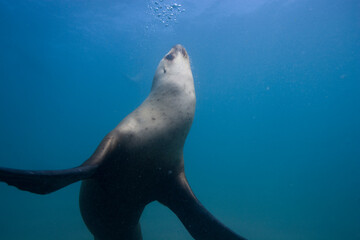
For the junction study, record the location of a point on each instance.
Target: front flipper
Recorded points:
(200, 223)
(43, 182)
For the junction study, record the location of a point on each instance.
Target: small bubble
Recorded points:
(169, 172)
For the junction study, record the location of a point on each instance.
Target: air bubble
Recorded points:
(164, 12)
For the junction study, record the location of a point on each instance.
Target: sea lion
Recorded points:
(138, 162)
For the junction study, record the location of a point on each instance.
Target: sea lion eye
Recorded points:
(170, 56)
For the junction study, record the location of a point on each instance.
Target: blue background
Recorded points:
(274, 151)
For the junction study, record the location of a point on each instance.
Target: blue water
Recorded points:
(274, 150)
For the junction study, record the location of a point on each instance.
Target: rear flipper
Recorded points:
(197, 220)
(43, 182)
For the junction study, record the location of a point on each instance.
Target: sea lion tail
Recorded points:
(200, 223)
(44, 182)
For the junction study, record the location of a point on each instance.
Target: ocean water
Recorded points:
(274, 150)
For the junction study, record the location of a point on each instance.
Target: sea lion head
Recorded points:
(174, 70)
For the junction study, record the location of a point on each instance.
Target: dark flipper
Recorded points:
(43, 182)
(197, 220)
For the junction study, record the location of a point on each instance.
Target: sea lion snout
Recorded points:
(175, 51)
(181, 49)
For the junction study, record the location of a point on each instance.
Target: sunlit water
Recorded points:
(274, 150)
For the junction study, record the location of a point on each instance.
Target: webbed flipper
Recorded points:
(199, 222)
(44, 182)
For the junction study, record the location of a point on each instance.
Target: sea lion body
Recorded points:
(149, 150)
